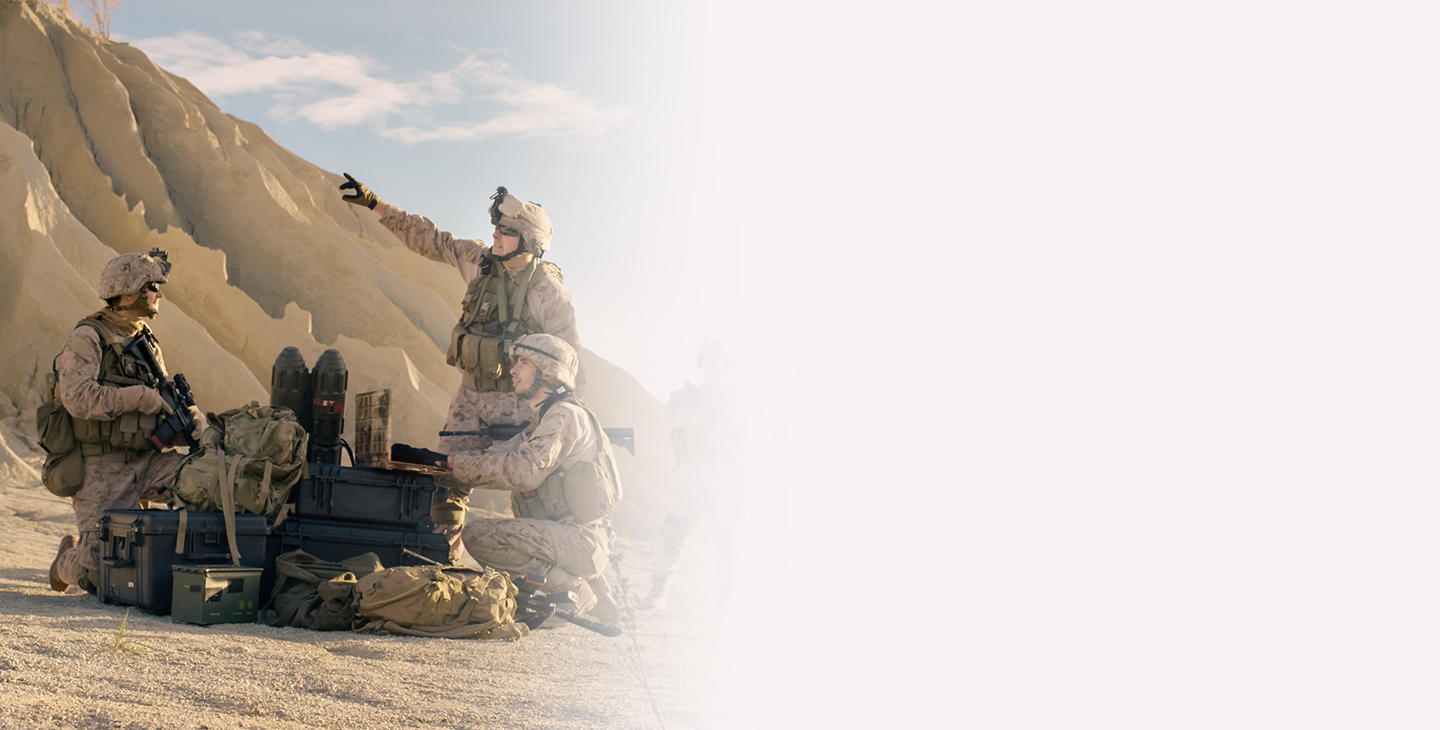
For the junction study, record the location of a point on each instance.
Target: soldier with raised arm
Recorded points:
(511, 293)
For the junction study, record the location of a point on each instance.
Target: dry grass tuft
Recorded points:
(123, 644)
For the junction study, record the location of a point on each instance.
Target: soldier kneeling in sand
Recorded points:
(113, 406)
(562, 474)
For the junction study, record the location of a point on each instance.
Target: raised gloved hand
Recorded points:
(362, 195)
(413, 455)
(143, 399)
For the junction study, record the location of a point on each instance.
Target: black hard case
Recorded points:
(361, 494)
(139, 551)
(336, 541)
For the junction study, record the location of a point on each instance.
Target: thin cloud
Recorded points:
(334, 90)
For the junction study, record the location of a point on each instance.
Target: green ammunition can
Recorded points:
(215, 594)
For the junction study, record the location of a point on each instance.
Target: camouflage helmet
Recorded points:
(713, 348)
(129, 272)
(556, 359)
(528, 219)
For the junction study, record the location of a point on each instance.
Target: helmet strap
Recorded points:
(518, 250)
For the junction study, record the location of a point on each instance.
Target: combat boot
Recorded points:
(57, 583)
(605, 610)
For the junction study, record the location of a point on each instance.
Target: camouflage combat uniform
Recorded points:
(570, 554)
(120, 477)
(547, 309)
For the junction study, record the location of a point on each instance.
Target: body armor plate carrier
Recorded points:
(493, 315)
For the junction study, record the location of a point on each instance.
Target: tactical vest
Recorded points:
(584, 490)
(493, 315)
(131, 429)
(688, 441)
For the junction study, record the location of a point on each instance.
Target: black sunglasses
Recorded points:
(151, 288)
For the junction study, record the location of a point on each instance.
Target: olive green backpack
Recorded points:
(314, 594)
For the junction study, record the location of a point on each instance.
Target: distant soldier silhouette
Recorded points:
(707, 432)
(511, 293)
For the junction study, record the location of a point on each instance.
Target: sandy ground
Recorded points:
(58, 670)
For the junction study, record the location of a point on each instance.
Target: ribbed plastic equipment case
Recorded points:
(335, 541)
(362, 494)
(139, 551)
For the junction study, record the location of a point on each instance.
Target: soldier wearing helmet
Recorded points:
(561, 473)
(707, 433)
(113, 407)
(511, 293)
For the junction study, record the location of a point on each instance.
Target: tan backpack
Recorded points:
(251, 462)
(445, 602)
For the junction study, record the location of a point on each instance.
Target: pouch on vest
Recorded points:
(64, 470)
(63, 473)
(589, 492)
(88, 431)
(57, 432)
(132, 430)
(478, 354)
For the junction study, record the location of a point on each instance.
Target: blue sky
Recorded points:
(633, 123)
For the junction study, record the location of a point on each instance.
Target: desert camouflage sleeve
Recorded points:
(553, 309)
(420, 235)
(521, 463)
(79, 390)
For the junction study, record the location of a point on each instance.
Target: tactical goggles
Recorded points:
(151, 288)
(499, 195)
(507, 231)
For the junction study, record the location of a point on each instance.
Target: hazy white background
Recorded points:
(1113, 323)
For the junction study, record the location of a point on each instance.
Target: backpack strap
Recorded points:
(180, 532)
(227, 499)
(520, 299)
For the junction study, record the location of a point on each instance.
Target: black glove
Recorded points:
(362, 195)
(413, 455)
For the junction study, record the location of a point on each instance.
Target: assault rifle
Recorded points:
(623, 437)
(176, 394)
(533, 607)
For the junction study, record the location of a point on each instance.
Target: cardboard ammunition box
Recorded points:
(361, 494)
(215, 594)
(140, 550)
